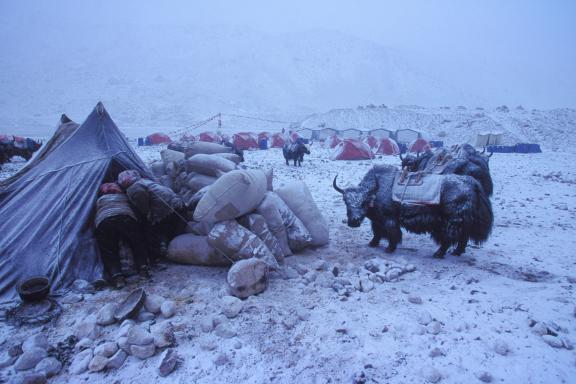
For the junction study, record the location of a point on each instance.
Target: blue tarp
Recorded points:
(436, 143)
(518, 148)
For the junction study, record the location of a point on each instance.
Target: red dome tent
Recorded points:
(158, 138)
(277, 140)
(332, 141)
(419, 145)
(244, 141)
(388, 146)
(371, 141)
(210, 137)
(352, 149)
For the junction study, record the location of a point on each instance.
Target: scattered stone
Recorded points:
(302, 314)
(38, 340)
(139, 336)
(84, 344)
(15, 350)
(29, 378)
(6, 360)
(320, 265)
(106, 349)
(553, 341)
(310, 276)
(82, 286)
(207, 324)
(50, 366)
(97, 363)
(366, 285)
(116, 360)
(571, 279)
(484, 377)
(168, 308)
(415, 299)
(80, 363)
(424, 318)
(130, 306)
(325, 279)
(168, 362)
(436, 352)
(336, 271)
(105, 315)
(434, 328)
(290, 321)
(393, 273)
(567, 344)
(231, 306)
(410, 268)
(88, 328)
(247, 277)
(300, 269)
(501, 347)
(431, 374)
(343, 281)
(372, 266)
(222, 359)
(152, 303)
(125, 328)
(30, 358)
(163, 335)
(144, 316)
(143, 351)
(237, 344)
(376, 279)
(72, 298)
(208, 345)
(540, 329)
(123, 344)
(289, 273)
(224, 332)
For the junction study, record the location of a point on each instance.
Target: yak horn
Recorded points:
(400, 156)
(336, 187)
(483, 150)
(490, 155)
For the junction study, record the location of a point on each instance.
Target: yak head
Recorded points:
(358, 200)
(410, 161)
(485, 157)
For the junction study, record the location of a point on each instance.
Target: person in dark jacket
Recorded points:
(115, 221)
(160, 206)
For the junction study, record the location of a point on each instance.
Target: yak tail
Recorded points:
(484, 217)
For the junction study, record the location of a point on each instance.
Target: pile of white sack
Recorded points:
(238, 220)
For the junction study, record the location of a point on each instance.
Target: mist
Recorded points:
(172, 63)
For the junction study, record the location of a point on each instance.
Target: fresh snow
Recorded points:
(460, 320)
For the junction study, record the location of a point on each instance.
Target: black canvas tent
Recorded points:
(47, 209)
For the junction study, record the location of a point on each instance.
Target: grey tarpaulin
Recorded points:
(48, 208)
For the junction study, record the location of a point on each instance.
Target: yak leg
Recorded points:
(377, 232)
(287, 163)
(394, 236)
(461, 247)
(439, 254)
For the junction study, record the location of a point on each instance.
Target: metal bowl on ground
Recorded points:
(34, 288)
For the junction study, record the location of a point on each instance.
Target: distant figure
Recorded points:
(115, 221)
(161, 208)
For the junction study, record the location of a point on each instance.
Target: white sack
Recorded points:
(257, 225)
(169, 156)
(209, 165)
(197, 181)
(229, 156)
(193, 249)
(298, 198)
(271, 214)
(238, 243)
(247, 277)
(232, 195)
(205, 147)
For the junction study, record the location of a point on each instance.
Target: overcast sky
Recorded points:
(518, 46)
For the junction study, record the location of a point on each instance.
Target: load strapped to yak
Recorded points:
(236, 219)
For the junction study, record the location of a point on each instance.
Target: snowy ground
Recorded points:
(300, 330)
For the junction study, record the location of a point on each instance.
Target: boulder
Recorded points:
(247, 277)
(117, 360)
(106, 349)
(38, 340)
(168, 309)
(193, 249)
(232, 195)
(231, 306)
(168, 362)
(30, 358)
(105, 315)
(80, 362)
(143, 351)
(137, 335)
(152, 303)
(97, 363)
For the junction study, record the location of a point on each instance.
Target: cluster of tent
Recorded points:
(347, 145)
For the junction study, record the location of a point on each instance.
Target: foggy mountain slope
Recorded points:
(172, 75)
(551, 128)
